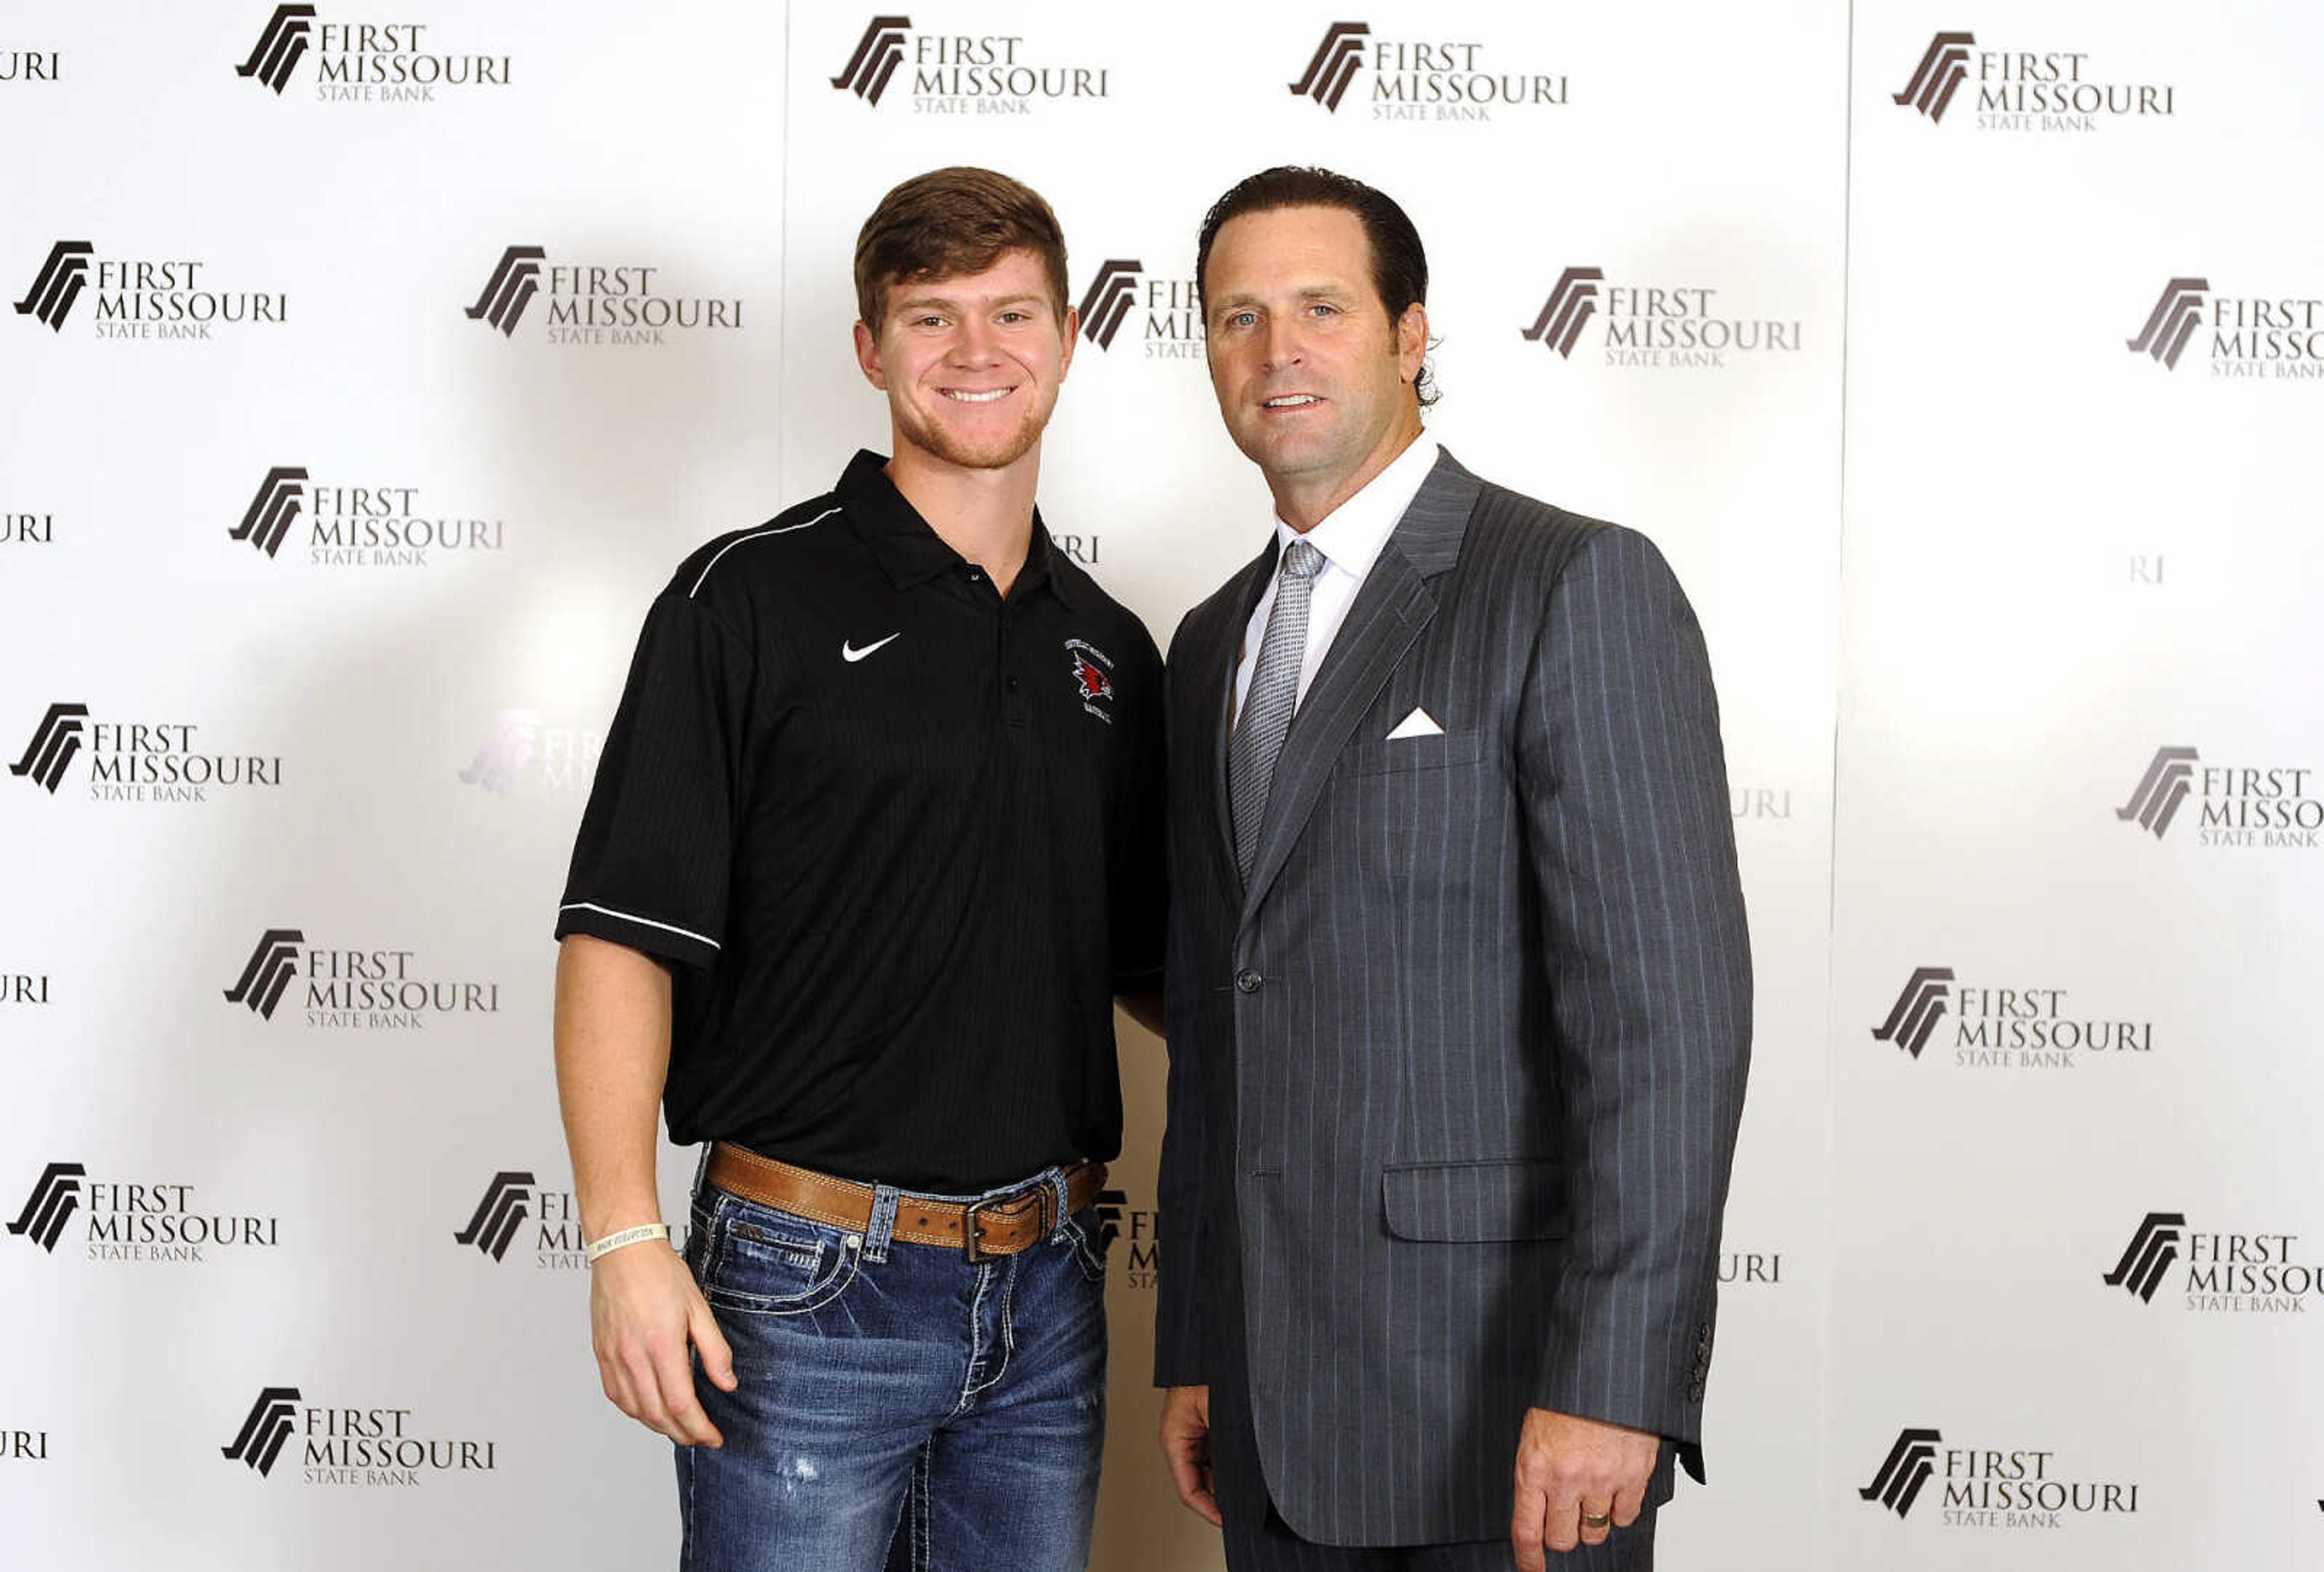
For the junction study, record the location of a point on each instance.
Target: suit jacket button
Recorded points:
(1249, 981)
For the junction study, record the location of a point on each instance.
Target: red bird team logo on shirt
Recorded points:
(1092, 675)
(1093, 683)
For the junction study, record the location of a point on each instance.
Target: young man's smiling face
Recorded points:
(971, 365)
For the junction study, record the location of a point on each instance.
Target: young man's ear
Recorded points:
(867, 357)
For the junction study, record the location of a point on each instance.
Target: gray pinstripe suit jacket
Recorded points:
(1466, 1056)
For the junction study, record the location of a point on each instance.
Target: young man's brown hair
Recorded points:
(949, 223)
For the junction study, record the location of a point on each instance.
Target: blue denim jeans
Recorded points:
(897, 1406)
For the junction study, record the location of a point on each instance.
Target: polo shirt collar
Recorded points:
(1044, 568)
(909, 551)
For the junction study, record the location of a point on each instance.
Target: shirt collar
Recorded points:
(1045, 569)
(910, 553)
(1350, 535)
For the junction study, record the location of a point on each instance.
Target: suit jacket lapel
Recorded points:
(1390, 613)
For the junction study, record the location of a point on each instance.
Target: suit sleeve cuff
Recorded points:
(1180, 1367)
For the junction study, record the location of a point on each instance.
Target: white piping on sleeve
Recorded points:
(642, 921)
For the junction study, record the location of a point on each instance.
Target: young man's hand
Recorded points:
(644, 1310)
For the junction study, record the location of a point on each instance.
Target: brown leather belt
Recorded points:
(980, 1229)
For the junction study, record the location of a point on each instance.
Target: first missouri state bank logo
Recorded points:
(1913, 1018)
(2262, 806)
(1166, 312)
(1906, 1468)
(364, 62)
(1660, 325)
(2232, 1272)
(58, 284)
(28, 529)
(269, 1423)
(2020, 1026)
(499, 1214)
(31, 65)
(358, 526)
(135, 761)
(1572, 301)
(170, 298)
(522, 755)
(954, 73)
(1141, 1261)
(2032, 90)
(2165, 785)
(141, 1220)
(512, 1197)
(2152, 1250)
(54, 743)
(1110, 295)
(1938, 76)
(2177, 313)
(2275, 336)
(280, 47)
(1334, 64)
(877, 55)
(341, 1444)
(1409, 78)
(516, 279)
(56, 1196)
(270, 967)
(596, 303)
(350, 988)
(1991, 1487)
(280, 499)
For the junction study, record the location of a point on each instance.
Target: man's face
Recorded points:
(1310, 373)
(970, 365)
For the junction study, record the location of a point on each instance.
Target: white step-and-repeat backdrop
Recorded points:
(372, 362)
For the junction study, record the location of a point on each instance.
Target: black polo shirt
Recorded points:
(903, 838)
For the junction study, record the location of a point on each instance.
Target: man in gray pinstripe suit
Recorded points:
(1459, 991)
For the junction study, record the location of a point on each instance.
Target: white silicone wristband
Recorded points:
(638, 1236)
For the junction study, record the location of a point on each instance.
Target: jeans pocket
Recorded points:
(758, 1261)
(1086, 1235)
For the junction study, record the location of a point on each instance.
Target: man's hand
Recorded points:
(1186, 1447)
(644, 1308)
(1569, 1470)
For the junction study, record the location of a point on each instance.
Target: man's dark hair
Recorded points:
(1399, 265)
(949, 223)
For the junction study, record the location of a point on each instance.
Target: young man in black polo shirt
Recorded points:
(876, 837)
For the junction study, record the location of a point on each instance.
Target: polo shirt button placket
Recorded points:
(1012, 695)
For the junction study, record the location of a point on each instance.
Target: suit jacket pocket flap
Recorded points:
(1436, 751)
(1476, 1201)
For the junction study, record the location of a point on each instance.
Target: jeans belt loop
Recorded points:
(701, 1184)
(1060, 1204)
(881, 1230)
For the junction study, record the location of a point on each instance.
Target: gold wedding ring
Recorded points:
(1596, 1520)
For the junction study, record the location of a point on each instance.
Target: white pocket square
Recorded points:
(1418, 723)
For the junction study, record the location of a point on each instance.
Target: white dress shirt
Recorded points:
(1350, 537)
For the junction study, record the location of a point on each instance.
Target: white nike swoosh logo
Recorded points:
(848, 651)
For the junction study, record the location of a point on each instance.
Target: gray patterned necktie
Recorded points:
(1274, 694)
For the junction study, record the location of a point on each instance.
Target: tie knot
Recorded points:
(1302, 560)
